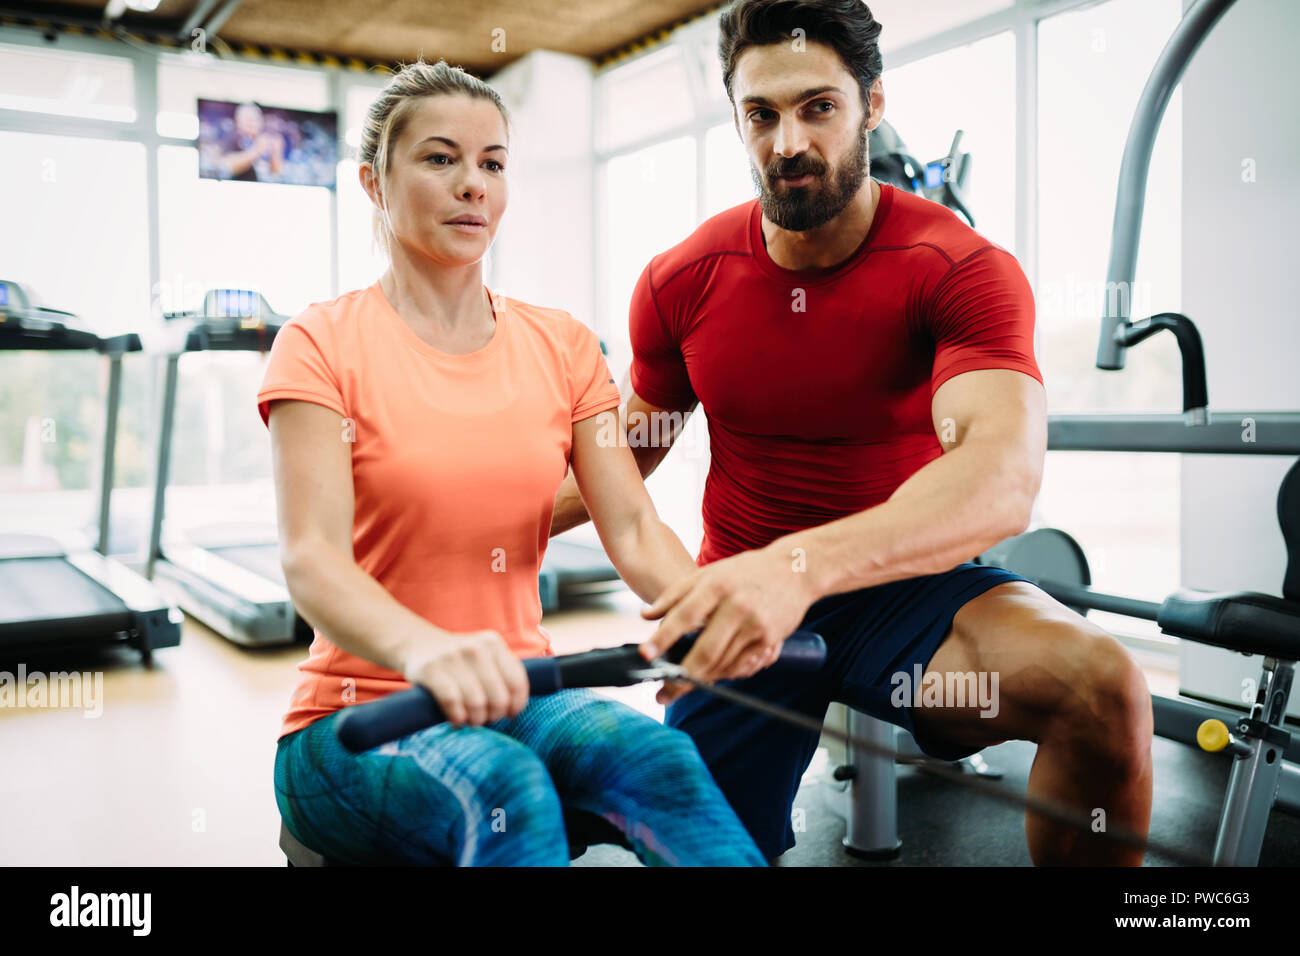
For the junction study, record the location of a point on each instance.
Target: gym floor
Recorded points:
(177, 769)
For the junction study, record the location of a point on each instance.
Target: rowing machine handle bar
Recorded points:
(365, 726)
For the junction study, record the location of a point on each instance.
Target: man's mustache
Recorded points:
(796, 169)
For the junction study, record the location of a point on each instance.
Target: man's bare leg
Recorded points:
(1073, 689)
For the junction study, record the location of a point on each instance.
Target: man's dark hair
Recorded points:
(845, 25)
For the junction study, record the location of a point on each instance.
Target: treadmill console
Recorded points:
(235, 304)
(934, 173)
(37, 326)
(249, 308)
(230, 320)
(13, 299)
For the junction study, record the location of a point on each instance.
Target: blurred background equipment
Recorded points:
(54, 597)
(227, 575)
(941, 180)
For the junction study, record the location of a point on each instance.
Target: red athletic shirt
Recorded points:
(817, 383)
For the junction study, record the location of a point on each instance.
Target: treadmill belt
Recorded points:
(37, 589)
(262, 559)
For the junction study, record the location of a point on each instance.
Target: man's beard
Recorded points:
(807, 207)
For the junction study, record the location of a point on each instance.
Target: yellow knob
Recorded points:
(1213, 735)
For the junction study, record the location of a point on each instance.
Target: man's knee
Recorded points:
(1107, 708)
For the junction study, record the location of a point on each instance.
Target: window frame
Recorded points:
(143, 130)
(1021, 19)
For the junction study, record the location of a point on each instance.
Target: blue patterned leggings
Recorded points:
(493, 795)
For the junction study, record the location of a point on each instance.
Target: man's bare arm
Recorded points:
(993, 426)
(650, 432)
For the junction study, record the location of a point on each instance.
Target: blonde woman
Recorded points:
(420, 428)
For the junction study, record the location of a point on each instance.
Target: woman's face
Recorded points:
(447, 182)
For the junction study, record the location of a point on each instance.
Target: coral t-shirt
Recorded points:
(456, 460)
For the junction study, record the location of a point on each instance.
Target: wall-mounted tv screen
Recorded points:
(250, 142)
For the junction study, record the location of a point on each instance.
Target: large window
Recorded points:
(650, 205)
(906, 21)
(728, 176)
(66, 83)
(659, 78)
(76, 233)
(922, 106)
(264, 236)
(1092, 65)
(87, 200)
(185, 78)
(361, 260)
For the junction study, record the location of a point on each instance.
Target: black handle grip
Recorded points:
(802, 651)
(364, 726)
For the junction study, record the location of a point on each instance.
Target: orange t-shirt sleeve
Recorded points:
(299, 368)
(592, 386)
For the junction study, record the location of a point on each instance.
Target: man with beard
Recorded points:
(876, 419)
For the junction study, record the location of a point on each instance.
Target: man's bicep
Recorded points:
(996, 405)
(652, 430)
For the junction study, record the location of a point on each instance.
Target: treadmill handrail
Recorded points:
(1130, 198)
(204, 333)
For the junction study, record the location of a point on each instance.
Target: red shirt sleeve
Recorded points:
(981, 316)
(658, 369)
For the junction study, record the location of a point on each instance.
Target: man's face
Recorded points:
(248, 120)
(799, 113)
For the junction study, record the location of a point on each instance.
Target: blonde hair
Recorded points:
(389, 113)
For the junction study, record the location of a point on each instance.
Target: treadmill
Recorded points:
(572, 567)
(54, 599)
(229, 577)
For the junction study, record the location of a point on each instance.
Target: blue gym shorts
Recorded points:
(871, 634)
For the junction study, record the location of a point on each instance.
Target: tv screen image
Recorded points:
(250, 142)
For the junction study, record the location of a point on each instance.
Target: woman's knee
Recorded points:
(667, 753)
(509, 811)
(514, 780)
(467, 796)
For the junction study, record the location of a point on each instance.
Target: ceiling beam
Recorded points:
(221, 16)
(196, 18)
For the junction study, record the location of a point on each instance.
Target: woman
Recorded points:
(420, 429)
